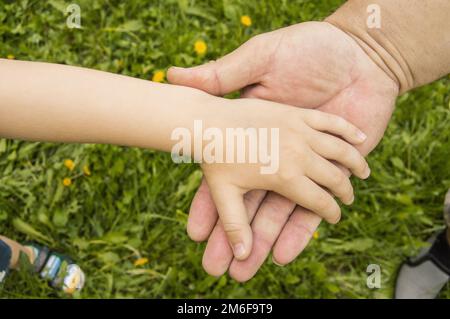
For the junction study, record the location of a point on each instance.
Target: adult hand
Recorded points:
(313, 65)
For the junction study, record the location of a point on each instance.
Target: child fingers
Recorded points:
(326, 174)
(333, 148)
(267, 225)
(218, 254)
(308, 194)
(233, 216)
(334, 124)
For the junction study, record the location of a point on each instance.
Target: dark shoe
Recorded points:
(424, 276)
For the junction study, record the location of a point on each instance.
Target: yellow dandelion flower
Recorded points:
(316, 235)
(140, 262)
(158, 76)
(69, 164)
(11, 57)
(200, 47)
(86, 170)
(246, 21)
(67, 182)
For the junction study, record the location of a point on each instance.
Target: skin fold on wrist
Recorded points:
(411, 42)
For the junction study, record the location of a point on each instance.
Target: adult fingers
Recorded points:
(202, 214)
(295, 235)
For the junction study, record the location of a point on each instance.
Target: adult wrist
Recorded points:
(411, 41)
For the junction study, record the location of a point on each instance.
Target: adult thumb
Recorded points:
(238, 69)
(233, 215)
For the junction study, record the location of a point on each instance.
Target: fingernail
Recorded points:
(337, 220)
(368, 172)
(361, 136)
(239, 250)
(351, 200)
(275, 262)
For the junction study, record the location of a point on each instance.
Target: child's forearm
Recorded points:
(58, 103)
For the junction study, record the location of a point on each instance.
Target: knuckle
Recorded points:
(331, 118)
(337, 179)
(323, 203)
(298, 147)
(287, 175)
(352, 155)
(343, 151)
(212, 79)
(293, 119)
(326, 117)
(346, 126)
(277, 203)
(292, 131)
(340, 122)
(321, 119)
(232, 228)
(314, 115)
(252, 198)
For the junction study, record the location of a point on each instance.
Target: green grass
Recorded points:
(136, 201)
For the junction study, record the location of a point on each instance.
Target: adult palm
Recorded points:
(311, 65)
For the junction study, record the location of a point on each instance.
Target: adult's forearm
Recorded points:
(58, 103)
(412, 44)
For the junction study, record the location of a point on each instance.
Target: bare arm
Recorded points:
(412, 44)
(59, 103)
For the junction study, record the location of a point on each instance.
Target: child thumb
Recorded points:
(234, 219)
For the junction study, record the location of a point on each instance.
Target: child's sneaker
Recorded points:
(58, 270)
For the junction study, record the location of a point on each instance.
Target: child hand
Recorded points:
(306, 174)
